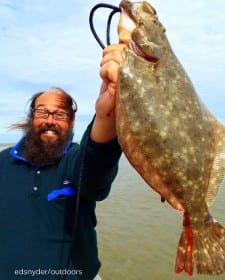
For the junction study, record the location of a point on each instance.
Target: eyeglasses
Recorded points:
(44, 114)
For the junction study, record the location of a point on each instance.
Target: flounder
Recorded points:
(169, 136)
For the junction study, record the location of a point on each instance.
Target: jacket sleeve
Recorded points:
(98, 166)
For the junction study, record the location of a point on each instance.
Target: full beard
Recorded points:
(45, 152)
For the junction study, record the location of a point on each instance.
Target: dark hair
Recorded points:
(68, 101)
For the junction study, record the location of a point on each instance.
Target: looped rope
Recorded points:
(115, 9)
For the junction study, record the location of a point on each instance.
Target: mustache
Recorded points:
(49, 127)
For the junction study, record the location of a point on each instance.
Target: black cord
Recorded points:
(109, 26)
(91, 16)
(77, 208)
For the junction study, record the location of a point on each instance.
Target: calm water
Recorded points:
(138, 234)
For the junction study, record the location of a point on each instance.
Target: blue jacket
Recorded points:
(37, 210)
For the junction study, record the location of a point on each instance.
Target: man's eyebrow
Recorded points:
(57, 108)
(40, 105)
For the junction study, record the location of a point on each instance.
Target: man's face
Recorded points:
(50, 127)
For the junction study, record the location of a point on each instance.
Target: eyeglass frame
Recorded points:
(45, 111)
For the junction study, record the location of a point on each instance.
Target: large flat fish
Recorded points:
(170, 137)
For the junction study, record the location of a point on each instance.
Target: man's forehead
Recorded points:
(50, 99)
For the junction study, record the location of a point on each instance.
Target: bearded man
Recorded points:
(49, 185)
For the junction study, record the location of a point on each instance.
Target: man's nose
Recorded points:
(50, 118)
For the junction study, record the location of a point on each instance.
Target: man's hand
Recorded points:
(104, 129)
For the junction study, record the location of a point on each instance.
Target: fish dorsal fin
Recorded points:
(217, 175)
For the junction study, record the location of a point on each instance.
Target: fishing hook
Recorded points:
(115, 9)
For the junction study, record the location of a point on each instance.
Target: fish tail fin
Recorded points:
(205, 248)
(210, 249)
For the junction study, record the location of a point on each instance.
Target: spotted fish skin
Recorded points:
(169, 136)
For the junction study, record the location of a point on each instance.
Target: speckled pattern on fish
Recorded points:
(170, 137)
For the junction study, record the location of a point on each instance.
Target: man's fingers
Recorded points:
(109, 71)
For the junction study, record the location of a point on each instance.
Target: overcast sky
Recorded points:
(49, 43)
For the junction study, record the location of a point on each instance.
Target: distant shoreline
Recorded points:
(5, 145)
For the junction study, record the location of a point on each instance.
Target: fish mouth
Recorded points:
(126, 27)
(138, 29)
